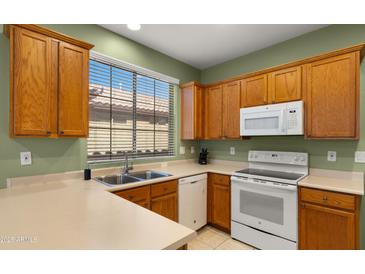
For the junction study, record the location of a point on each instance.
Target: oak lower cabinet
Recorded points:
(138, 195)
(48, 83)
(164, 199)
(328, 220)
(160, 198)
(219, 201)
(332, 97)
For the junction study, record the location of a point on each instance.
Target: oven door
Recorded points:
(264, 205)
(262, 121)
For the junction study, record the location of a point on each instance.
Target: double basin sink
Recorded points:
(131, 177)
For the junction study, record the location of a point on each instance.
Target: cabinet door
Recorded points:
(31, 91)
(326, 228)
(199, 113)
(166, 206)
(332, 97)
(254, 91)
(73, 91)
(187, 113)
(219, 201)
(231, 109)
(214, 112)
(286, 85)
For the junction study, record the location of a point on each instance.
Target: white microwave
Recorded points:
(276, 119)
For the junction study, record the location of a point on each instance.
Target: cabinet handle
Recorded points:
(48, 132)
(130, 196)
(62, 132)
(303, 205)
(165, 189)
(325, 198)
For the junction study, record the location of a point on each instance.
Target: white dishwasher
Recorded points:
(193, 201)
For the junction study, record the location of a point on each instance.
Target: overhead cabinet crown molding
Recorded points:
(329, 85)
(49, 83)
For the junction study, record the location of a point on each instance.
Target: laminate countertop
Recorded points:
(62, 211)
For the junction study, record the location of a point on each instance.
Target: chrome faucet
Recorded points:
(126, 167)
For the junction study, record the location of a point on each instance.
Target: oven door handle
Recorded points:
(267, 184)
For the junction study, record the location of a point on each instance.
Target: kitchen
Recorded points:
(113, 152)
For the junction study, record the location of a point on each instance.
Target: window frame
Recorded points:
(171, 116)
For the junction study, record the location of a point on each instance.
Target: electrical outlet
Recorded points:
(25, 158)
(192, 150)
(232, 150)
(331, 156)
(360, 157)
(182, 150)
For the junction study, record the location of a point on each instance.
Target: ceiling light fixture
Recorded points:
(134, 27)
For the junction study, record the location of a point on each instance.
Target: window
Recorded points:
(129, 112)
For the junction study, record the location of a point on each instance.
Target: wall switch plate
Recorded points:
(182, 150)
(192, 150)
(359, 156)
(331, 156)
(25, 158)
(232, 150)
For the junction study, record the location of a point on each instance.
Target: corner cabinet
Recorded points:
(332, 98)
(328, 220)
(192, 111)
(48, 83)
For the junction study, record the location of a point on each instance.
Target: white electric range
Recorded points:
(264, 199)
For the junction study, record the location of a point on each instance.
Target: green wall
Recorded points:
(58, 155)
(326, 39)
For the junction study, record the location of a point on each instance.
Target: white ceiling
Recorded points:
(203, 46)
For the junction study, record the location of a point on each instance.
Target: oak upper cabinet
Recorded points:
(328, 220)
(31, 92)
(213, 112)
(332, 97)
(192, 111)
(49, 83)
(254, 91)
(73, 90)
(231, 110)
(285, 85)
(219, 201)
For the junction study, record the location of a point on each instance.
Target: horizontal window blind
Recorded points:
(129, 112)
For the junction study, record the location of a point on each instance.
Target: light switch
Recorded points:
(232, 150)
(25, 158)
(331, 156)
(182, 150)
(360, 157)
(192, 150)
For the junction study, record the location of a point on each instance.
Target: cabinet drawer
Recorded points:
(334, 199)
(163, 188)
(135, 194)
(219, 179)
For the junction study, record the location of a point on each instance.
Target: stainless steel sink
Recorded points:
(117, 179)
(148, 174)
(132, 177)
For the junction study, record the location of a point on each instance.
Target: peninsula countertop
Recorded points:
(62, 211)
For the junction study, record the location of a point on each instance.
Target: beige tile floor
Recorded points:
(210, 238)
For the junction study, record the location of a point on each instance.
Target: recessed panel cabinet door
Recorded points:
(73, 90)
(286, 85)
(166, 206)
(254, 91)
(332, 97)
(214, 112)
(326, 228)
(31, 98)
(231, 109)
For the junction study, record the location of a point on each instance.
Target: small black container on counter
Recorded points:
(87, 174)
(203, 156)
